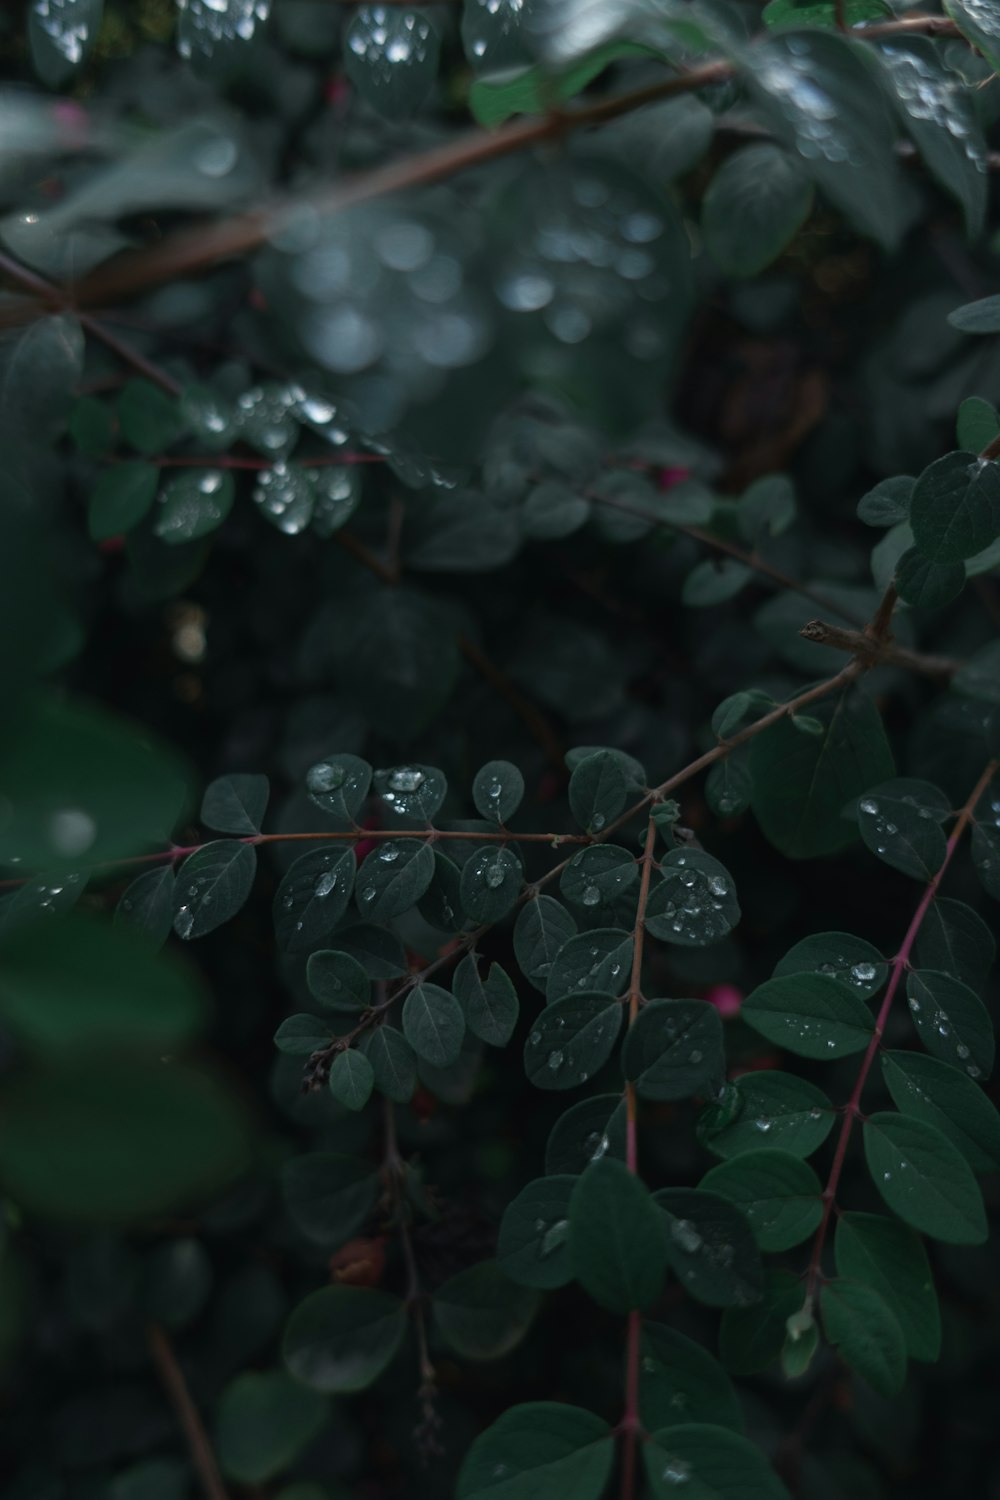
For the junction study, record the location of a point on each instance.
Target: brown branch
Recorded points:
(55, 300)
(195, 249)
(394, 1169)
(866, 647)
(900, 964)
(173, 1381)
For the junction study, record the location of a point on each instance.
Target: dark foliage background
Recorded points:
(530, 554)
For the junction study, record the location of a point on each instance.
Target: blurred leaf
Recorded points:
(264, 1419)
(481, 1314)
(755, 204)
(341, 1338)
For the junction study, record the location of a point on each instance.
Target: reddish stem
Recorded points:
(630, 1423)
(900, 964)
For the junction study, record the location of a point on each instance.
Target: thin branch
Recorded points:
(194, 249)
(173, 1381)
(630, 1423)
(55, 299)
(900, 964)
(865, 646)
(394, 1169)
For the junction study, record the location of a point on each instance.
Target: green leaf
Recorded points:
(492, 878)
(341, 1338)
(674, 1050)
(729, 785)
(924, 1178)
(328, 1197)
(378, 951)
(553, 510)
(498, 790)
(598, 791)
(617, 1238)
(926, 584)
(812, 1015)
(977, 317)
(313, 895)
(301, 1035)
(711, 1248)
(397, 654)
(766, 508)
(235, 804)
(571, 1040)
(937, 112)
(891, 1259)
(838, 955)
(794, 13)
(778, 1110)
(952, 1021)
(61, 37)
(481, 1313)
(755, 204)
(542, 928)
(392, 65)
(778, 1193)
(393, 1062)
(118, 1140)
(149, 419)
(264, 1420)
(412, 791)
(176, 1282)
(212, 885)
(815, 92)
(986, 858)
(533, 1248)
(979, 677)
(339, 786)
(587, 1131)
(441, 904)
(888, 503)
(122, 496)
(88, 785)
(977, 424)
(80, 983)
(539, 1451)
(750, 1338)
(714, 581)
(801, 782)
(148, 904)
(597, 961)
(955, 510)
(496, 96)
(433, 1024)
(955, 940)
(711, 1462)
(900, 822)
(599, 875)
(338, 981)
(351, 1079)
(490, 1005)
(978, 25)
(193, 504)
(679, 1381)
(948, 1099)
(393, 877)
(866, 1332)
(695, 903)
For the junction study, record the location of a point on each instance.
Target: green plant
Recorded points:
(483, 518)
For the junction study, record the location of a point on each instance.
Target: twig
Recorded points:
(194, 249)
(394, 1169)
(57, 300)
(630, 1423)
(869, 648)
(900, 964)
(173, 1381)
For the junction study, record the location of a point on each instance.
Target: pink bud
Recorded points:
(726, 998)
